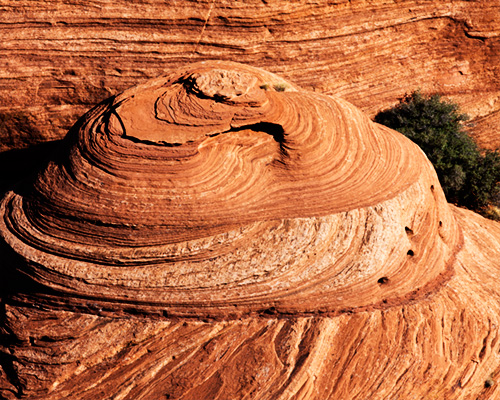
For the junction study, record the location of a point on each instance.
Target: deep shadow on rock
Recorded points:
(22, 164)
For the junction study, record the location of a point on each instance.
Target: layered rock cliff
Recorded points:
(220, 233)
(60, 58)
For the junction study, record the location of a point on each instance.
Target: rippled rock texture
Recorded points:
(60, 58)
(219, 233)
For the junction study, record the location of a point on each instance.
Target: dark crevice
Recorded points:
(475, 36)
(411, 253)
(275, 130)
(383, 280)
(48, 339)
(151, 142)
(408, 231)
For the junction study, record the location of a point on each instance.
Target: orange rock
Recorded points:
(219, 233)
(60, 58)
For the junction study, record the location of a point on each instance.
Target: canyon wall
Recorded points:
(58, 59)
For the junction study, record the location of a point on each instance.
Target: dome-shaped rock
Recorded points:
(221, 233)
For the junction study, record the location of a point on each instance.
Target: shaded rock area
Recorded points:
(59, 58)
(220, 233)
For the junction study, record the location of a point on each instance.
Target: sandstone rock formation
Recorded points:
(219, 233)
(60, 58)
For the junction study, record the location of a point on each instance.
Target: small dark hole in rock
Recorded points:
(383, 280)
(440, 224)
(269, 311)
(432, 187)
(410, 253)
(489, 383)
(408, 231)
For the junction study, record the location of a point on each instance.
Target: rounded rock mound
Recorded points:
(219, 233)
(221, 190)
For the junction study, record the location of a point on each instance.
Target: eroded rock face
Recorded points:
(221, 233)
(60, 58)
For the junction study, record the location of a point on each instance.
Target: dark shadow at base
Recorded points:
(18, 165)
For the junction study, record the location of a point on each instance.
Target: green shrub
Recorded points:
(280, 87)
(468, 177)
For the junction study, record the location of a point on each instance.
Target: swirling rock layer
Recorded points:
(219, 233)
(60, 58)
(210, 190)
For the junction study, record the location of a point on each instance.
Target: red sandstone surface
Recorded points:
(220, 233)
(60, 58)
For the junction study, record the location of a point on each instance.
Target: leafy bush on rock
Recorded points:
(469, 177)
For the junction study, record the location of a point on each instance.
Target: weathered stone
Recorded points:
(60, 58)
(219, 233)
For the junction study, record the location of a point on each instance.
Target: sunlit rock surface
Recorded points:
(59, 58)
(219, 233)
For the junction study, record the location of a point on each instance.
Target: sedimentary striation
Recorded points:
(60, 58)
(220, 233)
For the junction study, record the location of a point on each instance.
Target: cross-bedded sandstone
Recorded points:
(60, 58)
(219, 233)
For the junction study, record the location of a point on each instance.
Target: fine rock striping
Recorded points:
(220, 233)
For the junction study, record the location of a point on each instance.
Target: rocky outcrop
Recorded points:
(61, 58)
(219, 233)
